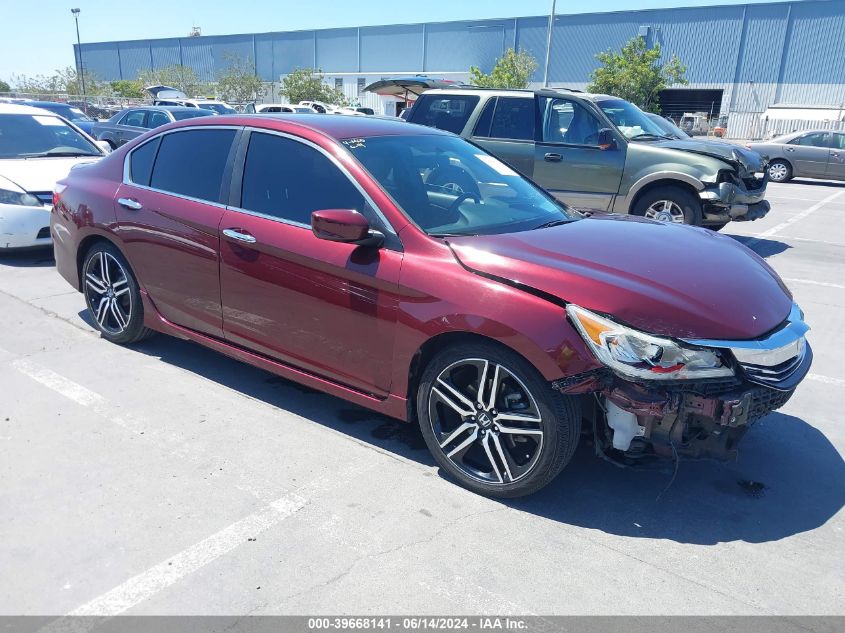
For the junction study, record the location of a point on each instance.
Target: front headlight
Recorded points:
(18, 198)
(635, 354)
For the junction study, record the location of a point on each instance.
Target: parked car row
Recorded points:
(407, 270)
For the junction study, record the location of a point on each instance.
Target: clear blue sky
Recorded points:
(37, 36)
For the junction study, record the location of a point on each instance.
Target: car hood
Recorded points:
(39, 174)
(732, 154)
(678, 281)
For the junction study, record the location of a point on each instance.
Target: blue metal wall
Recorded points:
(787, 52)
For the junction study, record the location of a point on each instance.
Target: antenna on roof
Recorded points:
(195, 31)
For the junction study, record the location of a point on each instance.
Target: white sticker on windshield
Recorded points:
(496, 164)
(48, 120)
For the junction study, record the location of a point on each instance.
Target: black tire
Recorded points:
(552, 422)
(782, 170)
(453, 178)
(684, 199)
(114, 304)
(717, 227)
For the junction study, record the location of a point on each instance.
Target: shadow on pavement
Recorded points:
(762, 246)
(40, 257)
(789, 478)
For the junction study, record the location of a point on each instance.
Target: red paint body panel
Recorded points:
(350, 320)
(678, 281)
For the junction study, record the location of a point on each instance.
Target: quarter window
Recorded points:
(192, 163)
(141, 162)
(289, 180)
(445, 113)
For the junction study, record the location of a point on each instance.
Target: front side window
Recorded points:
(192, 163)
(286, 179)
(40, 135)
(421, 172)
(816, 139)
(135, 118)
(449, 113)
(567, 121)
(630, 120)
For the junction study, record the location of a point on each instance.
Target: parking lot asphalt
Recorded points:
(167, 479)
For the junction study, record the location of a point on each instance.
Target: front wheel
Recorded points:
(493, 423)
(112, 295)
(669, 204)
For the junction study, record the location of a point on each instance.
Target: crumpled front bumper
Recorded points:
(728, 201)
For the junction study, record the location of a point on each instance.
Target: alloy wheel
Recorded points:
(665, 211)
(107, 293)
(486, 421)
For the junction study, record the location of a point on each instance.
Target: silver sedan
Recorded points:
(807, 154)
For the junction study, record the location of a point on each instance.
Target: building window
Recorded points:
(361, 83)
(338, 83)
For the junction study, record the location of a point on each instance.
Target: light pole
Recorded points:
(80, 72)
(549, 45)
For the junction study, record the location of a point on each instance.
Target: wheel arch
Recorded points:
(85, 245)
(647, 187)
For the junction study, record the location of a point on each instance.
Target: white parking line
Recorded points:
(813, 282)
(58, 383)
(826, 380)
(795, 218)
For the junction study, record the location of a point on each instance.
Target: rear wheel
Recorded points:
(669, 204)
(493, 423)
(779, 170)
(112, 295)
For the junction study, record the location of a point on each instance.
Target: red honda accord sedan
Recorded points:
(319, 248)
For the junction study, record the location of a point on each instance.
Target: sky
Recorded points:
(38, 36)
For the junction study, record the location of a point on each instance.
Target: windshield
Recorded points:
(219, 108)
(190, 114)
(39, 135)
(68, 112)
(448, 186)
(630, 120)
(669, 128)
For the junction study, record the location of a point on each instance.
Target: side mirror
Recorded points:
(607, 139)
(344, 225)
(104, 145)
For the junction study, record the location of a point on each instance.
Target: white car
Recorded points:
(37, 148)
(167, 96)
(277, 108)
(320, 107)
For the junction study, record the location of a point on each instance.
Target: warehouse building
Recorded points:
(746, 63)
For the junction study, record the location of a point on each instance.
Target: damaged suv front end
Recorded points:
(691, 398)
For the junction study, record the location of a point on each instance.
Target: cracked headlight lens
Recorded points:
(635, 354)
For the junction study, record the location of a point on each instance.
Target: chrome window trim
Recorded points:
(126, 159)
(780, 346)
(367, 199)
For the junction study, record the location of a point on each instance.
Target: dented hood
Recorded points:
(748, 159)
(677, 281)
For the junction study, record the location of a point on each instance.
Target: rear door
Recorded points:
(326, 307)
(506, 129)
(568, 161)
(836, 159)
(809, 154)
(168, 211)
(133, 123)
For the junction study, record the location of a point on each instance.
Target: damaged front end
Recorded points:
(634, 417)
(739, 193)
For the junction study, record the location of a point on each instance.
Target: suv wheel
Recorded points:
(669, 204)
(493, 423)
(112, 295)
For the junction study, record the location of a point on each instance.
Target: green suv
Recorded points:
(597, 152)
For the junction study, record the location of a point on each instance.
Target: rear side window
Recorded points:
(157, 119)
(191, 163)
(141, 162)
(512, 118)
(449, 113)
(134, 118)
(288, 180)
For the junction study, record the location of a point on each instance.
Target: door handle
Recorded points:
(551, 157)
(790, 149)
(130, 203)
(239, 235)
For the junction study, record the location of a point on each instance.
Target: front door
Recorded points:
(168, 214)
(326, 307)
(809, 154)
(568, 161)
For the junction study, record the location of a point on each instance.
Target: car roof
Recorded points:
(14, 108)
(336, 127)
(160, 107)
(41, 104)
(514, 92)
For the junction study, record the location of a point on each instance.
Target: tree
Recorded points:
(4, 87)
(512, 70)
(128, 88)
(181, 77)
(636, 74)
(238, 82)
(62, 81)
(306, 84)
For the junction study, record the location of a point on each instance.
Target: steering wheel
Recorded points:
(466, 195)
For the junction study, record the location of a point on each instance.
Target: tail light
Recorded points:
(57, 191)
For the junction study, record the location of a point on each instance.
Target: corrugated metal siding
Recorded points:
(100, 61)
(134, 59)
(264, 57)
(166, 53)
(292, 51)
(337, 50)
(197, 53)
(392, 48)
(455, 46)
(225, 49)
